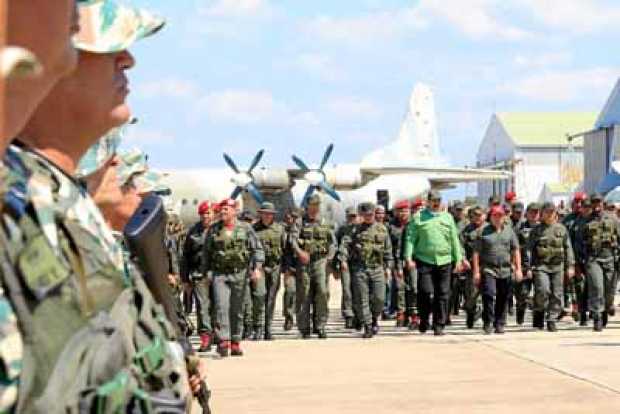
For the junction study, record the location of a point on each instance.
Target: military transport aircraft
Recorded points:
(405, 169)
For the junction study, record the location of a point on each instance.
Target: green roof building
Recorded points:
(535, 147)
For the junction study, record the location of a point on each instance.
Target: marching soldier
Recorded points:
(468, 237)
(315, 248)
(191, 274)
(291, 219)
(273, 239)
(405, 279)
(550, 257)
(457, 284)
(369, 250)
(231, 248)
(496, 254)
(523, 288)
(348, 307)
(575, 294)
(597, 244)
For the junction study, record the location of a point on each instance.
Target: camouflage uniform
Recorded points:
(318, 240)
(228, 254)
(347, 307)
(11, 354)
(468, 238)
(289, 298)
(406, 288)
(575, 290)
(524, 287)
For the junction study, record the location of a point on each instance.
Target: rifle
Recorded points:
(145, 233)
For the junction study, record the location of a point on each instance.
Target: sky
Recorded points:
(292, 76)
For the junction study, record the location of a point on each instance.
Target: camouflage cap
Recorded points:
(351, 211)
(151, 181)
(100, 153)
(533, 207)
(267, 207)
(458, 205)
(518, 207)
(131, 163)
(314, 199)
(548, 206)
(596, 198)
(109, 27)
(586, 203)
(380, 208)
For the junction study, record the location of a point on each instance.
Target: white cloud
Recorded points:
(168, 88)
(321, 66)
(368, 29)
(574, 16)
(237, 106)
(562, 86)
(237, 8)
(475, 18)
(543, 60)
(141, 135)
(353, 107)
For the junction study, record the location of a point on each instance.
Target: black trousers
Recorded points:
(495, 295)
(433, 292)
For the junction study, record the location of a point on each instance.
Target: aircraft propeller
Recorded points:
(244, 180)
(316, 178)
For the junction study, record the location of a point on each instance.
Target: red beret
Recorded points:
(497, 211)
(204, 207)
(417, 203)
(402, 205)
(579, 196)
(510, 196)
(228, 202)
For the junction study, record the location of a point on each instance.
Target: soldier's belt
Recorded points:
(227, 270)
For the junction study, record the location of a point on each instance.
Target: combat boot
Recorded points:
(223, 348)
(247, 332)
(499, 329)
(598, 324)
(306, 335)
(551, 326)
(268, 334)
(423, 326)
(288, 324)
(538, 321)
(322, 333)
(488, 330)
(414, 323)
(258, 334)
(520, 316)
(438, 330)
(205, 343)
(348, 322)
(470, 320)
(583, 319)
(400, 320)
(367, 332)
(235, 349)
(605, 319)
(612, 312)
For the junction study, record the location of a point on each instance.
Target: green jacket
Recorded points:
(432, 238)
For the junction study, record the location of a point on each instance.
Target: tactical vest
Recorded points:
(599, 235)
(549, 245)
(271, 239)
(230, 253)
(91, 343)
(368, 245)
(315, 240)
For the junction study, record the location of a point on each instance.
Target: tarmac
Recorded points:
(523, 371)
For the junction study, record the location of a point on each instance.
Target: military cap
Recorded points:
(417, 203)
(17, 62)
(497, 211)
(518, 207)
(548, 206)
(458, 205)
(533, 206)
(596, 197)
(586, 202)
(510, 196)
(267, 207)
(351, 211)
(434, 195)
(476, 210)
(402, 205)
(366, 208)
(100, 152)
(228, 202)
(314, 199)
(151, 181)
(109, 27)
(132, 162)
(204, 207)
(494, 200)
(380, 208)
(579, 196)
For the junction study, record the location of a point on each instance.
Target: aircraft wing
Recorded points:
(440, 176)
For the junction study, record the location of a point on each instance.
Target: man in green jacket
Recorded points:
(432, 247)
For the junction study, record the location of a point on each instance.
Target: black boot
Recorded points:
(367, 332)
(583, 319)
(538, 321)
(551, 327)
(306, 335)
(438, 330)
(605, 319)
(499, 329)
(268, 334)
(322, 333)
(258, 334)
(470, 320)
(520, 316)
(348, 322)
(598, 324)
(487, 328)
(288, 324)
(247, 332)
(423, 327)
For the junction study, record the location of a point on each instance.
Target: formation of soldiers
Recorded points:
(81, 329)
(417, 266)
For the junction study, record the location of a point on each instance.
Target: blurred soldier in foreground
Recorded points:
(550, 257)
(496, 256)
(231, 248)
(369, 250)
(191, 274)
(316, 247)
(273, 239)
